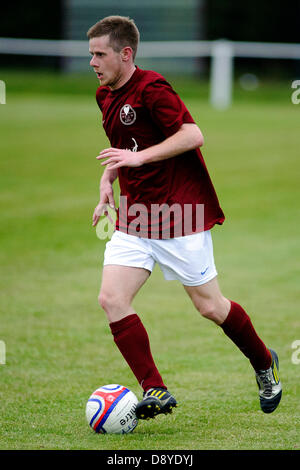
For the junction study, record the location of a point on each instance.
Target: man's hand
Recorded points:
(106, 199)
(188, 137)
(101, 209)
(116, 158)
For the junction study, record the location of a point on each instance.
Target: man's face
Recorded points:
(107, 63)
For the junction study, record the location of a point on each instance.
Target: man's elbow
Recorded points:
(198, 139)
(194, 135)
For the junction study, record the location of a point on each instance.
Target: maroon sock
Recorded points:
(238, 327)
(133, 342)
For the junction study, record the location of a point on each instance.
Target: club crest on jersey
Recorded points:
(127, 115)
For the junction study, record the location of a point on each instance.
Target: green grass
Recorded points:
(58, 344)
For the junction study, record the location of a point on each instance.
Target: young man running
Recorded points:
(155, 154)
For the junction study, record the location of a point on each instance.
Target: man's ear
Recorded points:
(126, 53)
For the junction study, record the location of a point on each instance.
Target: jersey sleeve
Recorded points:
(166, 108)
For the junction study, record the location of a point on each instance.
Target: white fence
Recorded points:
(222, 53)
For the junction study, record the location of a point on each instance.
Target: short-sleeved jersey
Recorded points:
(142, 113)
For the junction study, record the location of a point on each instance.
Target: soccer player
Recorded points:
(155, 154)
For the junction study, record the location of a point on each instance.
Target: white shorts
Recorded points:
(187, 259)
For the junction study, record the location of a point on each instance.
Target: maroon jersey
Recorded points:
(144, 112)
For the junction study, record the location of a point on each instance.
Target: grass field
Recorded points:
(58, 344)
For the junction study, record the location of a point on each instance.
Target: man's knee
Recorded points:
(103, 300)
(109, 301)
(206, 308)
(114, 305)
(215, 310)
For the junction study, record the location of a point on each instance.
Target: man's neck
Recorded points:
(125, 78)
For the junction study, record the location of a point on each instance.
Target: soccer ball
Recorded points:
(111, 409)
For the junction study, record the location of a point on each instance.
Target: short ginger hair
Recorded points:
(122, 32)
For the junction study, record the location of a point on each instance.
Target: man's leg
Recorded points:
(233, 319)
(236, 324)
(119, 286)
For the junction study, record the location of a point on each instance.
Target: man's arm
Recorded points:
(106, 194)
(188, 137)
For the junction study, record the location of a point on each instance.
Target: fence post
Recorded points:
(2, 352)
(221, 74)
(2, 92)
